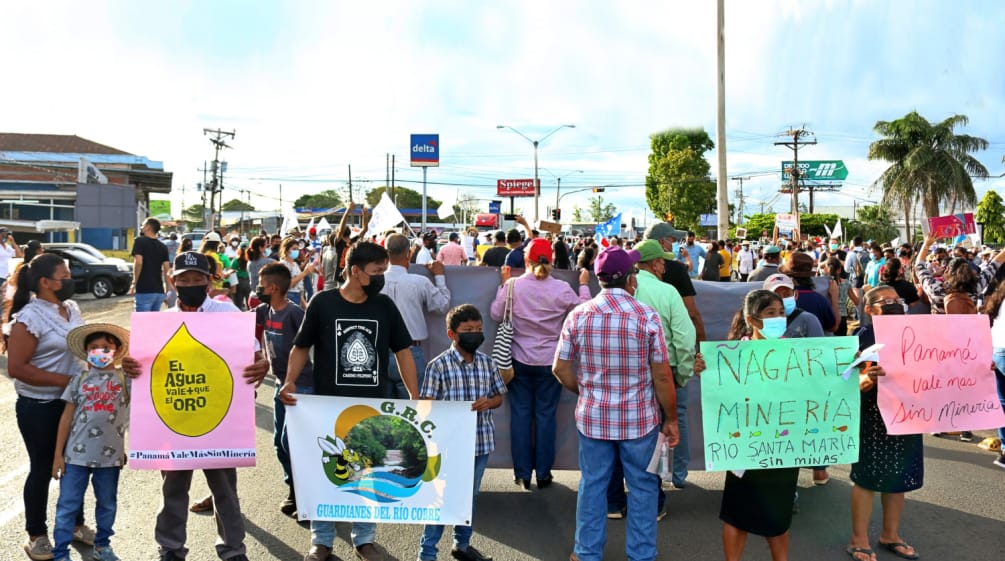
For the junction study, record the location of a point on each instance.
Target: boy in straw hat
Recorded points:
(90, 443)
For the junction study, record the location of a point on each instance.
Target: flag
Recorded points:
(289, 221)
(446, 207)
(323, 225)
(828, 229)
(837, 232)
(310, 224)
(610, 228)
(383, 217)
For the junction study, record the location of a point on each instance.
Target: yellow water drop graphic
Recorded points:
(191, 386)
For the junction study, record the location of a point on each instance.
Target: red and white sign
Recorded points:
(515, 187)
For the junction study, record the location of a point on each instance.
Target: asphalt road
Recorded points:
(958, 515)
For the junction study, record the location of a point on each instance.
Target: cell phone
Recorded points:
(509, 217)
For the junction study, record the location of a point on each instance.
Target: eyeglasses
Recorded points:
(886, 301)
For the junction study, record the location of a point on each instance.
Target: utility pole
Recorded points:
(387, 177)
(350, 183)
(794, 174)
(392, 179)
(739, 197)
(218, 141)
(722, 200)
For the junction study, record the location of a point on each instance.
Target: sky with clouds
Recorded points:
(313, 87)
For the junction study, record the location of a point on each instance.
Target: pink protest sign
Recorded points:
(191, 409)
(953, 225)
(938, 374)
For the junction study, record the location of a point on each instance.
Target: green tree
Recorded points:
(931, 164)
(324, 199)
(403, 198)
(577, 214)
(678, 180)
(991, 213)
(237, 204)
(873, 222)
(598, 211)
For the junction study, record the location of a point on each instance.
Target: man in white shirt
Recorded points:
(8, 250)
(413, 295)
(424, 255)
(744, 261)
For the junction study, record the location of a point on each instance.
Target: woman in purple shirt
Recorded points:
(540, 304)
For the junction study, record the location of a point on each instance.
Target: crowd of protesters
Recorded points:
(628, 352)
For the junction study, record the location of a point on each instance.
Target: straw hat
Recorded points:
(75, 338)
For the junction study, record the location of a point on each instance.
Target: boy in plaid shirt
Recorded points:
(462, 373)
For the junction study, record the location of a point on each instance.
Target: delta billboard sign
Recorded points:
(425, 150)
(515, 187)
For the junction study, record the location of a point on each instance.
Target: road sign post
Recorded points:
(425, 151)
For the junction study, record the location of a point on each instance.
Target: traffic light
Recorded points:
(556, 214)
(598, 189)
(669, 217)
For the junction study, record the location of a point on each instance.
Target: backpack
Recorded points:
(959, 303)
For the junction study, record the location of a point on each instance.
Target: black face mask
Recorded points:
(892, 309)
(191, 296)
(375, 286)
(262, 296)
(66, 289)
(469, 342)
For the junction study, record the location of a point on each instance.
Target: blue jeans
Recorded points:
(323, 533)
(596, 462)
(149, 301)
(533, 399)
(682, 453)
(999, 359)
(617, 500)
(279, 439)
(72, 487)
(396, 389)
(431, 534)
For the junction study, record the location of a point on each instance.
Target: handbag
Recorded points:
(502, 353)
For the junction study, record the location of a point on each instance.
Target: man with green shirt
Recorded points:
(680, 337)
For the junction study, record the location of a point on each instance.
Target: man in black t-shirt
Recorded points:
(352, 330)
(150, 268)
(496, 256)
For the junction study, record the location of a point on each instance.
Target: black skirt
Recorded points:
(886, 463)
(760, 502)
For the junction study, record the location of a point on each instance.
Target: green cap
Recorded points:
(772, 250)
(651, 249)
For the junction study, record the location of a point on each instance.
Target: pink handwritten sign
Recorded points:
(191, 409)
(938, 374)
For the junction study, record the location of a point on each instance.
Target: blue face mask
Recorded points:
(835, 247)
(790, 304)
(773, 328)
(294, 254)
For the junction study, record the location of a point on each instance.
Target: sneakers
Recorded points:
(369, 552)
(542, 483)
(104, 554)
(525, 483)
(616, 514)
(84, 534)
(469, 554)
(39, 549)
(662, 513)
(318, 553)
(289, 504)
(966, 436)
(991, 444)
(820, 477)
(1000, 462)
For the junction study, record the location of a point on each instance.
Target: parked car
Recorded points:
(100, 277)
(87, 248)
(196, 237)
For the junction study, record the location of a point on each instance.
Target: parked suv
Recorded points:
(100, 277)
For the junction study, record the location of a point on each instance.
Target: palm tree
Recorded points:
(930, 163)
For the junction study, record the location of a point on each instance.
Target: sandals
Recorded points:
(205, 505)
(896, 547)
(853, 551)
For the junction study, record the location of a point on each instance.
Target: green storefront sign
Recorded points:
(818, 170)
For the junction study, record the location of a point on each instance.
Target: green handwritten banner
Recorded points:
(779, 403)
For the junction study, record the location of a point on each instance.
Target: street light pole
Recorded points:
(535, 143)
(558, 186)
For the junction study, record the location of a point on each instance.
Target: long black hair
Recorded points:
(41, 267)
(994, 302)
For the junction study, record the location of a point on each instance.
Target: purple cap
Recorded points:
(615, 263)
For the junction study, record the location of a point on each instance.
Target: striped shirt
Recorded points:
(450, 378)
(614, 338)
(936, 292)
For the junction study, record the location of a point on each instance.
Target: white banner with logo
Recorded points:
(382, 460)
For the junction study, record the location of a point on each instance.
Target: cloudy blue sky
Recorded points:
(311, 87)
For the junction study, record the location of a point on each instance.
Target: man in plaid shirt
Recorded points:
(463, 373)
(623, 372)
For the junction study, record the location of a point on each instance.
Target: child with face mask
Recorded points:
(90, 444)
(463, 373)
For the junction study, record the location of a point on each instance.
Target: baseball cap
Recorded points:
(660, 230)
(772, 250)
(190, 261)
(539, 251)
(312, 231)
(615, 263)
(774, 281)
(651, 249)
(212, 237)
(3, 230)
